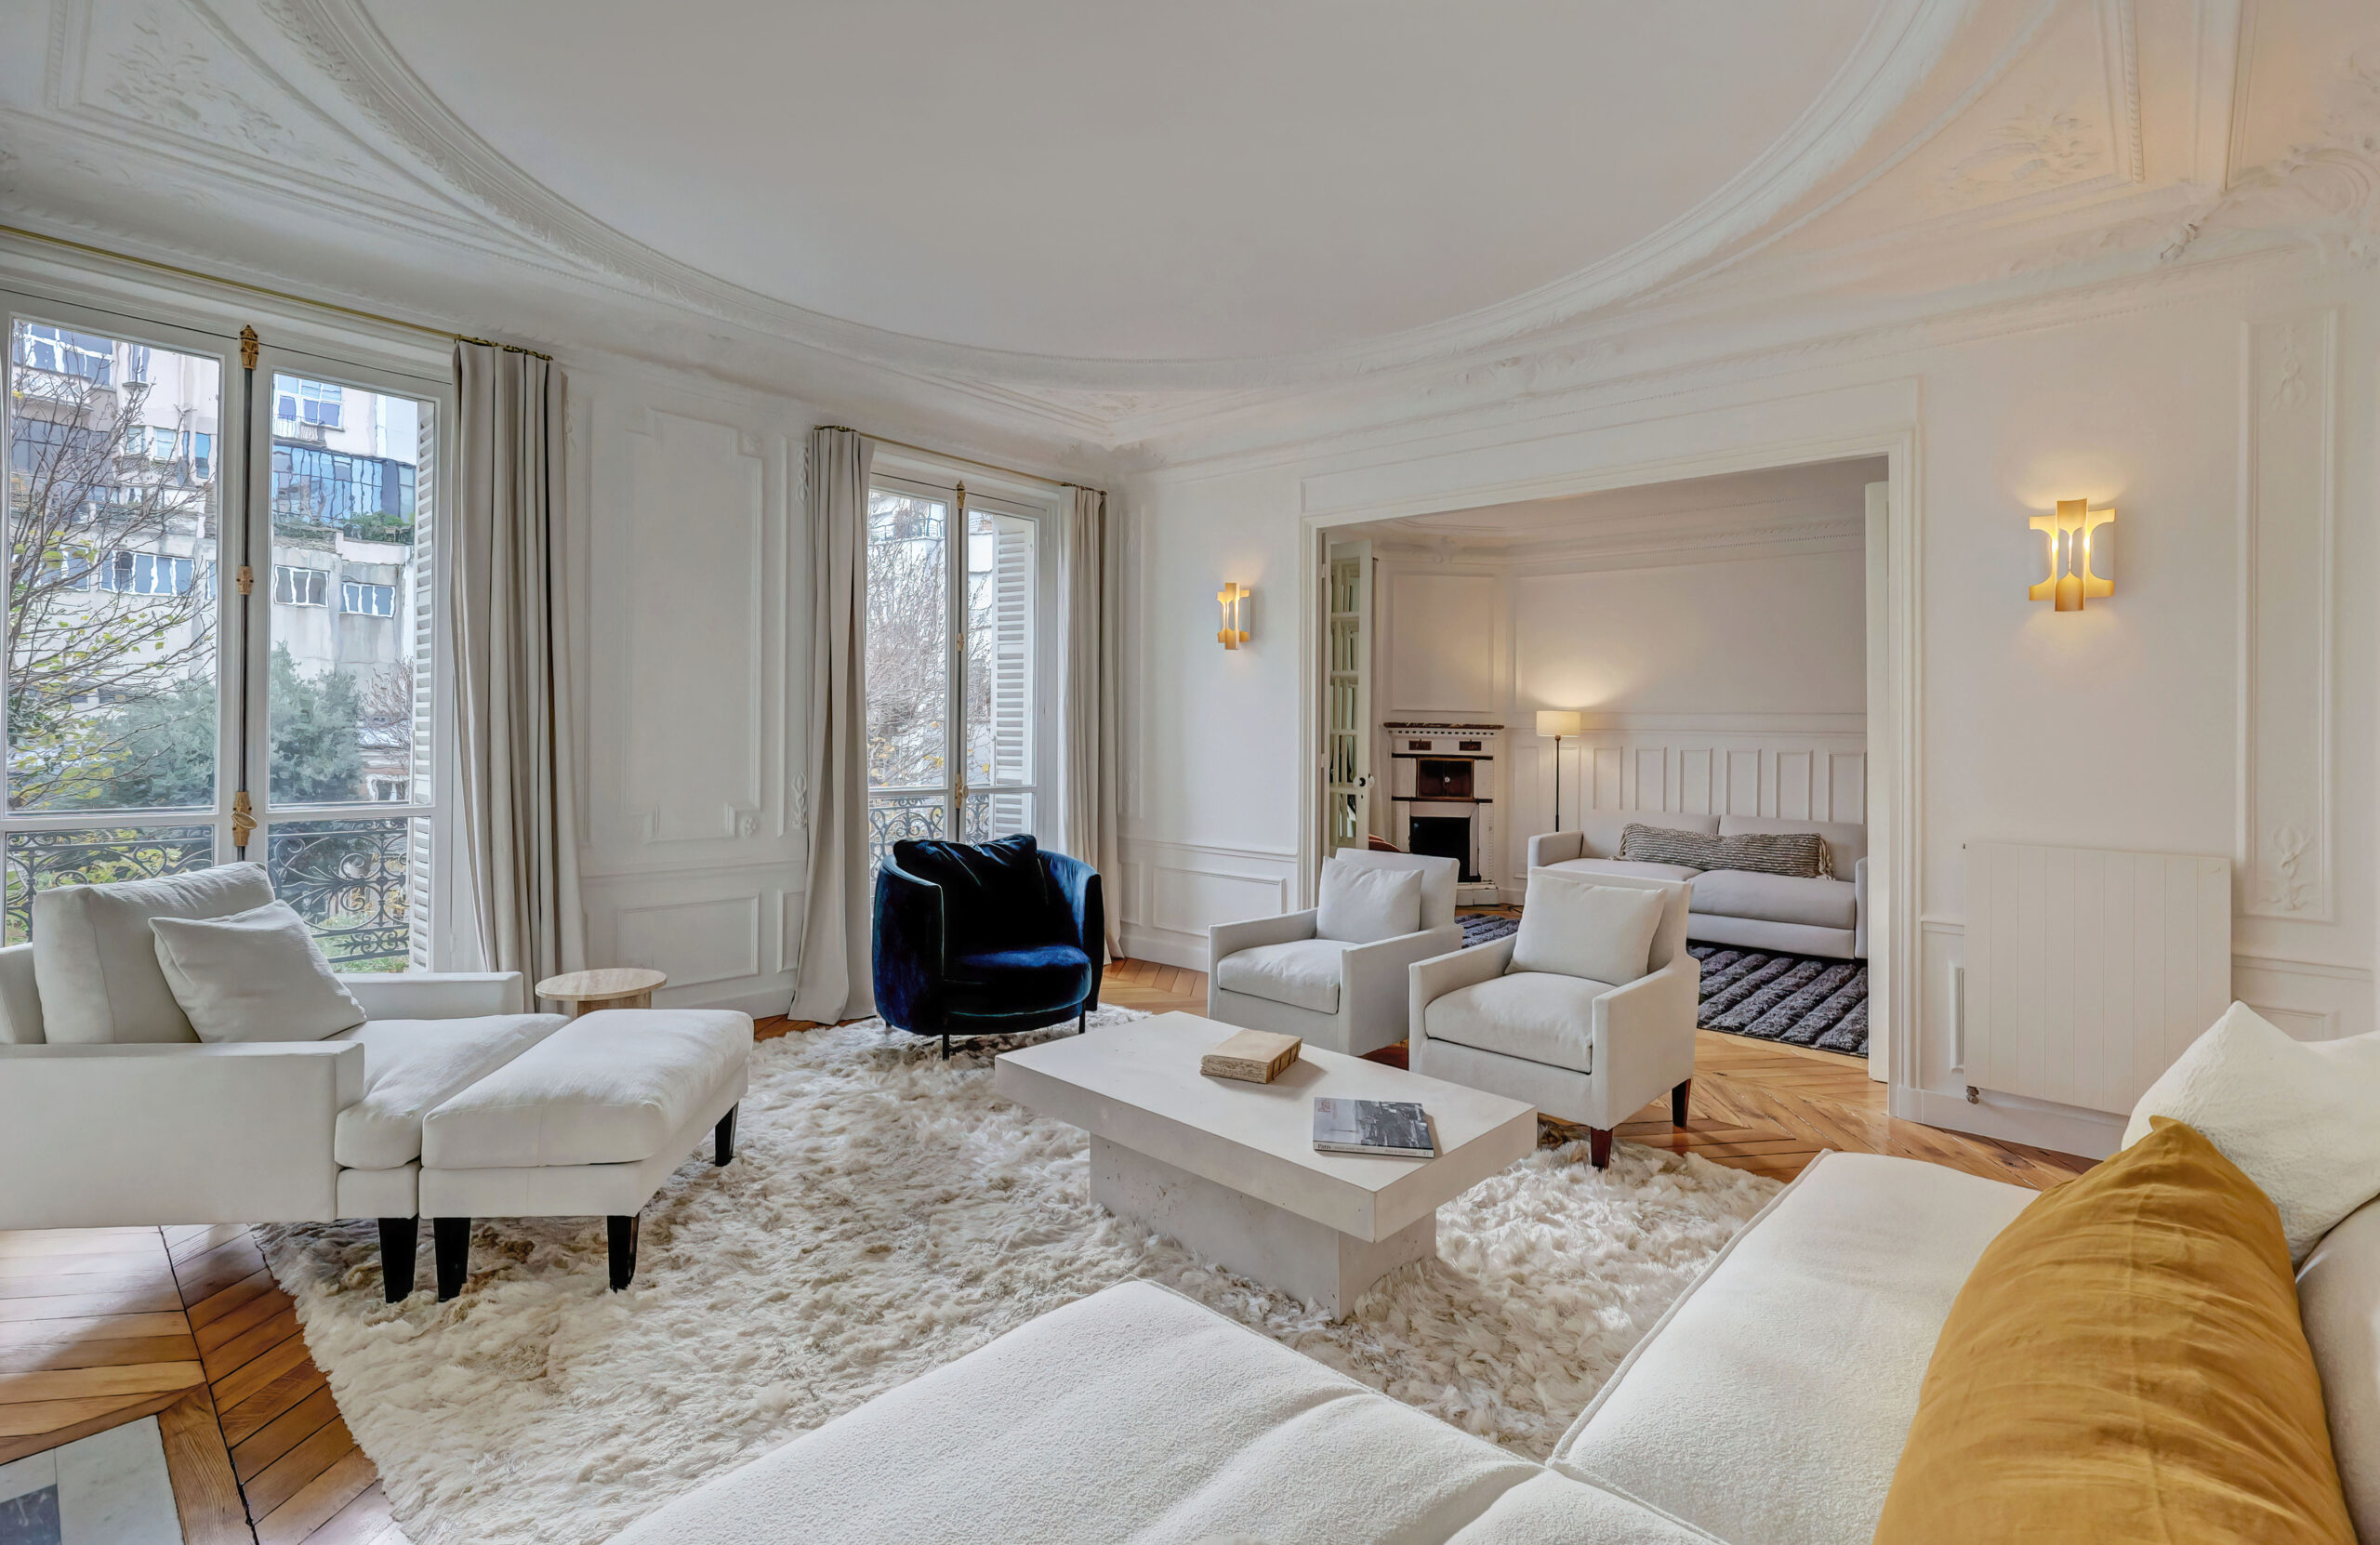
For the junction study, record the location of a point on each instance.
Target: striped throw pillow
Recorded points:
(1800, 854)
(1691, 849)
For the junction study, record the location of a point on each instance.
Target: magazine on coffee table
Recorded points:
(1397, 1127)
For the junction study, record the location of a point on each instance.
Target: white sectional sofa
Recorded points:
(1767, 1407)
(1819, 916)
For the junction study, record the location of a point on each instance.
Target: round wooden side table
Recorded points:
(612, 987)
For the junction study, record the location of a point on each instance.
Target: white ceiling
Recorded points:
(1234, 178)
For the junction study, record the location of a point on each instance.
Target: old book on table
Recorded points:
(1398, 1128)
(1254, 1056)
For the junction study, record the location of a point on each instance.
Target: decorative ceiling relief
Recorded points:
(1954, 158)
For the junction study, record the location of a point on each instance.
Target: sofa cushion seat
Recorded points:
(1555, 1509)
(1039, 976)
(610, 1088)
(413, 1065)
(1133, 1413)
(1622, 866)
(1818, 902)
(1771, 1402)
(1303, 973)
(1536, 1015)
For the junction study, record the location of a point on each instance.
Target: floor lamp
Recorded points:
(1559, 723)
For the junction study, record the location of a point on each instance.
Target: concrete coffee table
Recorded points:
(1229, 1168)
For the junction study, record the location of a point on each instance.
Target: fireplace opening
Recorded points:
(1441, 778)
(1442, 837)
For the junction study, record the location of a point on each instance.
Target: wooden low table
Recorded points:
(1229, 1168)
(612, 987)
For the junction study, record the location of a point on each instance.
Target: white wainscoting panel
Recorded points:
(1171, 892)
(2288, 504)
(2089, 970)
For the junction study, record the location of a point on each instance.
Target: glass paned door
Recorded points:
(953, 666)
(114, 704)
(349, 795)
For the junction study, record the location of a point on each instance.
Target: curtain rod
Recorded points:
(948, 455)
(263, 290)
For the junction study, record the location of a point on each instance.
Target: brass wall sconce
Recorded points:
(2070, 581)
(1234, 599)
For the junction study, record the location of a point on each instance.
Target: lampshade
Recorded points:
(1560, 722)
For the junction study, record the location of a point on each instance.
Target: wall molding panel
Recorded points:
(2285, 857)
(1171, 892)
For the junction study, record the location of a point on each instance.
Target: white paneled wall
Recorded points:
(685, 536)
(1780, 772)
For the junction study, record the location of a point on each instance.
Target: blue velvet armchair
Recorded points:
(985, 939)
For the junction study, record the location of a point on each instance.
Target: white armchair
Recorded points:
(1583, 1050)
(1283, 974)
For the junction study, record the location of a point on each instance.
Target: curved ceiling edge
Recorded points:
(1905, 40)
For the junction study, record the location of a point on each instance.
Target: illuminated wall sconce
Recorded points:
(2070, 581)
(1234, 599)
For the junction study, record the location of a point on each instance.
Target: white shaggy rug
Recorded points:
(887, 1213)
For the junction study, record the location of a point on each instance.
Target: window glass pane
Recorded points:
(908, 642)
(1001, 575)
(350, 672)
(347, 879)
(112, 639)
(95, 855)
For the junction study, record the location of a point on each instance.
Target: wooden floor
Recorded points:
(101, 1327)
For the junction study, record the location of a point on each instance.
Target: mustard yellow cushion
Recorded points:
(2126, 1364)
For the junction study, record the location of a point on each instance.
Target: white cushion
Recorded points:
(1441, 879)
(608, 1087)
(1770, 1403)
(1363, 906)
(1132, 1414)
(1573, 926)
(1591, 866)
(96, 960)
(1776, 898)
(1539, 1015)
(1303, 973)
(2298, 1117)
(1555, 1509)
(253, 976)
(2338, 1299)
(411, 1065)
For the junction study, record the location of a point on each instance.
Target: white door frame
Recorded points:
(1895, 721)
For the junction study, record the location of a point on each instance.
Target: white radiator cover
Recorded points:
(2088, 971)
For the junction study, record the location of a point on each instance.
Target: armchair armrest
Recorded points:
(1080, 893)
(1374, 985)
(1859, 909)
(138, 1135)
(910, 960)
(437, 995)
(1642, 1039)
(1556, 847)
(1231, 938)
(1430, 980)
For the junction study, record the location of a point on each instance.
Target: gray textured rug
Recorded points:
(1799, 999)
(1486, 929)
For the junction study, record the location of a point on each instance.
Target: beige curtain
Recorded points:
(1094, 649)
(832, 980)
(519, 837)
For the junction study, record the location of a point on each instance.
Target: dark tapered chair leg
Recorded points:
(1082, 1019)
(723, 1137)
(450, 1239)
(946, 1046)
(1599, 1146)
(398, 1236)
(620, 1235)
(1678, 1098)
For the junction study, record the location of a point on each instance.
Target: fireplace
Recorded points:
(1442, 790)
(1442, 837)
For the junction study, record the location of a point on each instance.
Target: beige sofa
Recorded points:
(1732, 906)
(1767, 1407)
